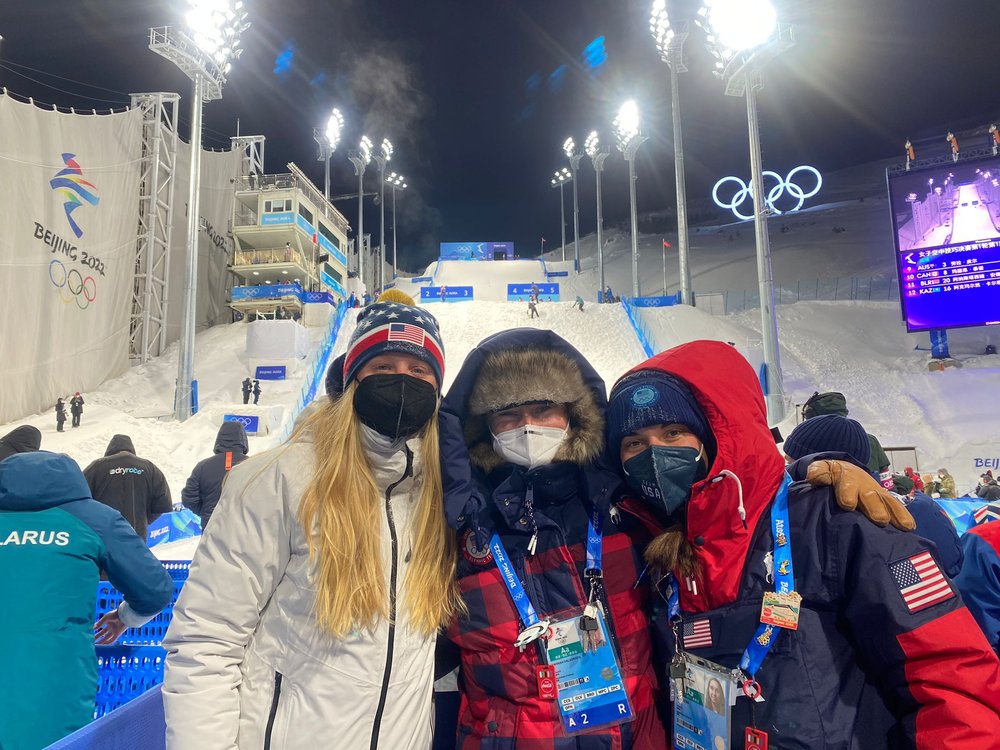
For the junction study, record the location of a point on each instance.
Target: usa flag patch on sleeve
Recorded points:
(920, 581)
(697, 633)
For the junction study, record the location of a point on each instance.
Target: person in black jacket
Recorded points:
(76, 408)
(133, 486)
(60, 414)
(203, 487)
(23, 439)
(256, 391)
(247, 388)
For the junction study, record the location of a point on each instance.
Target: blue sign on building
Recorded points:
(476, 250)
(275, 372)
(452, 294)
(556, 274)
(250, 423)
(267, 291)
(332, 250)
(421, 279)
(521, 292)
(285, 217)
(332, 283)
(320, 297)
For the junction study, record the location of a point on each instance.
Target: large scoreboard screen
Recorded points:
(946, 225)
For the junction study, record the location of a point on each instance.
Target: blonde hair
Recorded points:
(341, 512)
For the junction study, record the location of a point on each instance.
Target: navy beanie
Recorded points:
(394, 328)
(650, 397)
(829, 432)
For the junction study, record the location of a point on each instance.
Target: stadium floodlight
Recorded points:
(396, 182)
(629, 138)
(670, 44)
(361, 158)
(574, 156)
(744, 35)
(559, 180)
(327, 140)
(204, 50)
(598, 154)
(382, 158)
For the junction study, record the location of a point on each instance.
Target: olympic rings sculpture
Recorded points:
(786, 184)
(72, 284)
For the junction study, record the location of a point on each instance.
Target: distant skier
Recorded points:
(256, 391)
(608, 296)
(532, 307)
(579, 302)
(60, 414)
(954, 145)
(76, 408)
(444, 293)
(247, 388)
(534, 290)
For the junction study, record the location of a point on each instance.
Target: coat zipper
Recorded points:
(377, 724)
(274, 711)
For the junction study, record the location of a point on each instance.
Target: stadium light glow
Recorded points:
(215, 26)
(365, 148)
(334, 127)
(569, 148)
(739, 25)
(626, 124)
(327, 140)
(387, 149)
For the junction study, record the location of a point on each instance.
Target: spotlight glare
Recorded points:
(365, 147)
(740, 25)
(569, 147)
(592, 144)
(334, 127)
(386, 149)
(627, 123)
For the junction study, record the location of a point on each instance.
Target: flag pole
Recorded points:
(664, 248)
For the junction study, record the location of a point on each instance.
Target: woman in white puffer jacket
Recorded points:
(290, 640)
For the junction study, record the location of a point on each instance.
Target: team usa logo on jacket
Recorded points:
(920, 581)
(472, 552)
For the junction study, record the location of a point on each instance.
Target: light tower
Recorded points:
(396, 182)
(629, 139)
(360, 158)
(743, 36)
(381, 159)
(204, 50)
(670, 43)
(598, 154)
(327, 140)
(559, 179)
(569, 148)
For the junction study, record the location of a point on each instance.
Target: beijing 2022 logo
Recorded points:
(69, 183)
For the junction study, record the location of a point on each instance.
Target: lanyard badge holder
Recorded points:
(581, 663)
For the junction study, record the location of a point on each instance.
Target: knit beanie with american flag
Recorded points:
(394, 328)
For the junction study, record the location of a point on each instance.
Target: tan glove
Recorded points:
(856, 489)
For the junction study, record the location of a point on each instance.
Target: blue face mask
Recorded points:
(663, 475)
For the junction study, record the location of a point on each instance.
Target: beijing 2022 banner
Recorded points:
(68, 221)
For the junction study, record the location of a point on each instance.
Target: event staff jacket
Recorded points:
(248, 667)
(54, 542)
(879, 659)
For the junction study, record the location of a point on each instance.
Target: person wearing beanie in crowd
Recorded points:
(828, 433)
(529, 410)
(979, 579)
(23, 439)
(847, 630)
(988, 489)
(317, 593)
(833, 402)
(945, 484)
(918, 483)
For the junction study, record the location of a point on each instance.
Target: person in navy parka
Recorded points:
(885, 652)
(202, 490)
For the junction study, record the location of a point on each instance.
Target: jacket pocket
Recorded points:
(269, 730)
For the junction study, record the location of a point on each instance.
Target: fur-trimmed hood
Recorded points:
(519, 366)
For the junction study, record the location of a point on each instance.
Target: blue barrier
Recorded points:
(422, 280)
(137, 724)
(666, 301)
(638, 327)
(181, 524)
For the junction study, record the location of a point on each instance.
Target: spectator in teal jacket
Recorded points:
(55, 540)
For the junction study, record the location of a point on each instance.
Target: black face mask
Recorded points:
(397, 406)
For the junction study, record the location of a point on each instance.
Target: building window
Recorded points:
(333, 273)
(306, 214)
(278, 206)
(329, 235)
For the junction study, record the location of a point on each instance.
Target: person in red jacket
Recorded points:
(826, 630)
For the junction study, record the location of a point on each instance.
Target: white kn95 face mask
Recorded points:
(530, 445)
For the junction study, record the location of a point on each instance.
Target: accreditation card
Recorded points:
(589, 683)
(701, 717)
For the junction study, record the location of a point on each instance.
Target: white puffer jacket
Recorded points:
(247, 666)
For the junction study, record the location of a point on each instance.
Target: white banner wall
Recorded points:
(215, 246)
(68, 220)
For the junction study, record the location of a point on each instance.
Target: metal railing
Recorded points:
(271, 255)
(841, 288)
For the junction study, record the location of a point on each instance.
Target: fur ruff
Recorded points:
(519, 376)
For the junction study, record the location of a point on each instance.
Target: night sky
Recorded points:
(478, 96)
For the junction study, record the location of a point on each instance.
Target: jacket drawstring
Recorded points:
(741, 509)
(529, 504)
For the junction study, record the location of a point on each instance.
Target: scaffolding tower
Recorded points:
(148, 323)
(252, 149)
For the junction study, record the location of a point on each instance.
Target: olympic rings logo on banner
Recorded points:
(72, 284)
(245, 421)
(784, 185)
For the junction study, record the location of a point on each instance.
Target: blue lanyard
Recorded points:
(515, 588)
(784, 581)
